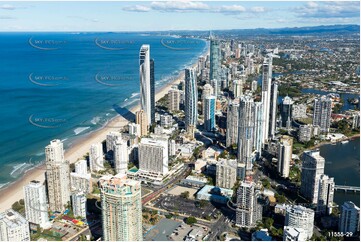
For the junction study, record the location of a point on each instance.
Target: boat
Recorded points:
(344, 141)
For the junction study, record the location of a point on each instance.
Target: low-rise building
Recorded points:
(261, 235)
(294, 234)
(214, 194)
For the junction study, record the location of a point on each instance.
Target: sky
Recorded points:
(172, 15)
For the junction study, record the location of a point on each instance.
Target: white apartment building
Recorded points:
(96, 160)
(300, 217)
(226, 173)
(153, 155)
(36, 207)
(13, 227)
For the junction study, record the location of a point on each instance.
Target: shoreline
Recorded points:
(329, 142)
(13, 192)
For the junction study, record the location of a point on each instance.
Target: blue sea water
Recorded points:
(66, 85)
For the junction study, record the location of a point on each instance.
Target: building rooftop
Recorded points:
(261, 235)
(212, 190)
(12, 219)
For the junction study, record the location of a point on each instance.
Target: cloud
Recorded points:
(329, 10)
(137, 8)
(7, 7)
(179, 6)
(232, 9)
(258, 9)
(194, 6)
(312, 4)
(6, 17)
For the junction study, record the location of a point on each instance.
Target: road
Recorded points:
(172, 181)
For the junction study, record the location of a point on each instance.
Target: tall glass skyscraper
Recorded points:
(215, 62)
(191, 97)
(273, 109)
(266, 95)
(146, 75)
(152, 92)
(286, 112)
(209, 115)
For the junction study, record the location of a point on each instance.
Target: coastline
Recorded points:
(13, 192)
(329, 142)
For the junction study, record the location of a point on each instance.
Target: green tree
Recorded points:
(185, 194)
(266, 183)
(268, 222)
(191, 220)
(280, 198)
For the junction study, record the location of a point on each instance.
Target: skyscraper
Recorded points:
(57, 176)
(78, 202)
(207, 91)
(273, 109)
(349, 218)
(322, 109)
(286, 112)
(266, 95)
(121, 208)
(258, 128)
(300, 217)
(152, 92)
(215, 84)
(146, 87)
(226, 173)
(215, 61)
(36, 207)
(325, 194)
(141, 119)
(313, 165)
(121, 156)
(248, 211)
(191, 98)
(232, 122)
(13, 226)
(237, 88)
(284, 155)
(209, 115)
(153, 155)
(80, 180)
(96, 161)
(173, 100)
(245, 131)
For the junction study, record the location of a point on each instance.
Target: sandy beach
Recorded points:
(14, 191)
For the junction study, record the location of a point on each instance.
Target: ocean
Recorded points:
(66, 85)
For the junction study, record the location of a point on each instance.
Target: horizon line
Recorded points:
(182, 30)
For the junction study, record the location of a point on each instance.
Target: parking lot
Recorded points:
(186, 206)
(64, 230)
